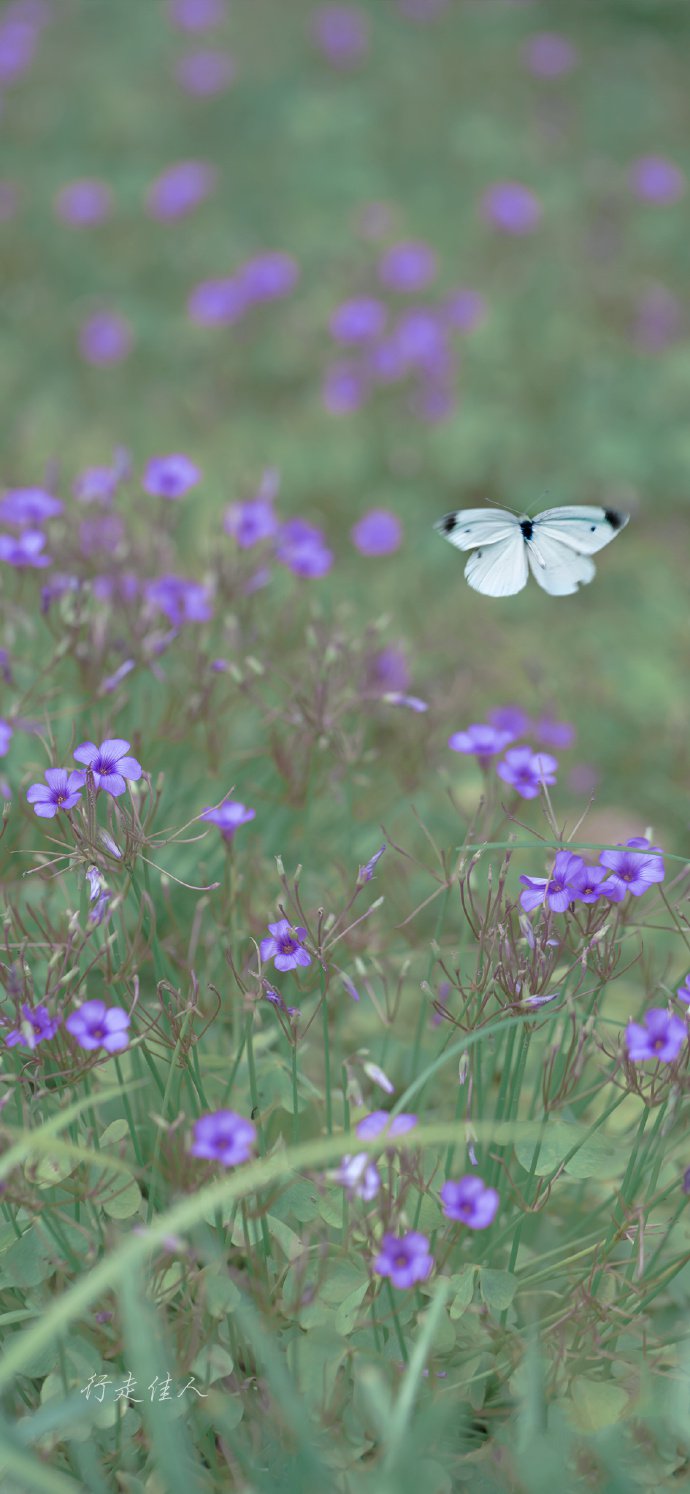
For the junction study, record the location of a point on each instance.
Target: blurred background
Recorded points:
(413, 254)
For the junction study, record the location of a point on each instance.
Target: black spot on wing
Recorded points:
(612, 518)
(527, 529)
(447, 524)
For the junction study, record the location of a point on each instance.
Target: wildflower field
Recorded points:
(346, 948)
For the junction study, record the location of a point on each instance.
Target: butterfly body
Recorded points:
(556, 546)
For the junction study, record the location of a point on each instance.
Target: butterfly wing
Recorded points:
(501, 569)
(469, 528)
(582, 529)
(556, 567)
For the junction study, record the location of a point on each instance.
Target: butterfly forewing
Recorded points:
(472, 527)
(580, 528)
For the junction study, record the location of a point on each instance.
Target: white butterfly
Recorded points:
(555, 546)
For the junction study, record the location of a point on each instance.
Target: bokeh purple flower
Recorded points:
(217, 302)
(377, 1121)
(527, 771)
(683, 992)
(180, 189)
(105, 337)
(229, 816)
(481, 741)
(254, 520)
(511, 207)
(170, 476)
(269, 276)
(470, 1201)
(657, 180)
(6, 735)
(196, 15)
(110, 764)
(465, 310)
(341, 34)
(284, 946)
(24, 551)
(345, 388)
(378, 532)
(549, 55)
(181, 600)
(303, 549)
(223, 1136)
(29, 506)
(358, 320)
(406, 1259)
(206, 73)
(95, 1025)
(63, 791)
(36, 1025)
(408, 266)
(84, 203)
(659, 1036)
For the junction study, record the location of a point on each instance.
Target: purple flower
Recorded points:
(655, 179)
(105, 338)
(481, 741)
(379, 1120)
(109, 764)
(407, 266)
(405, 1258)
(6, 735)
(94, 1025)
(182, 601)
(285, 946)
(388, 670)
(269, 276)
(366, 873)
(223, 1136)
(378, 532)
(358, 320)
(465, 310)
(359, 1176)
(632, 872)
(659, 319)
(549, 55)
(63, 792)
(24, 550)
(170, 476)
(341, 34)
(385, 363)
(29, 506)
(58, 586)
(206, 73)
(180, 189)
(344, 389)
(37, 1025)
(510, 719)
(552, 733)
(103, 533)
(276, 1000)
(302, 548)
(215, 302)
(511, 207)
(411, 702)
(683, 992)
(661, 1037)
(229, 816)
(84, 204)
(96, 485)
(592, 884)
(470, 1201)
(526, 770)
(254, 520)
(196, 15)
(559, 889)
(17, 46)
(421, 340)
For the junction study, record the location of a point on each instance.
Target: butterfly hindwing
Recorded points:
(557, 569)
(500, 569)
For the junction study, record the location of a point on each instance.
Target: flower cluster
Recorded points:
(524, 769)
(634, 867)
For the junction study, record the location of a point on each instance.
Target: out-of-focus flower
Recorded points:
(109, 764)
(302, 548)
(406, 1259)
(101, 534)
(96, 485)
(465, 310)
(284, 946)
(229, 816)
(359, 1176)
(170, 476)
(36, 1025)
(106, 337)
(408, 267)
(511, 208)
(182, 601)
(84, 203)
(94, 1025)
(269, 276)
(379, 1120)
(683, 992)
(254, 520)
(24, 550)
(510, 719)
(29, 506)
(630, 870)
(358, 320)
(374, 1072)
(481, 741)
(196, 15)
(470, 1201)
(378, 532)
(217, 302)
(341, 34)
(223, 1136)
(421, 340)
(206, 73)
(17, 46)
(345, 388)
(180, 189)
(656, 179)
(388, 670)
(6, 734)
(549, 55)
(366, 873)
(552, 733)
(63, 791)
(659, 1036)
(527, 771)
(558, 890)
(411, 702)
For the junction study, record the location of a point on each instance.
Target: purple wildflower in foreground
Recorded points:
(378, 532)
(24, 551)
(407, 267)
(63, 791)
(302, 548)
(558, 890)
(481, 741)
(29, 506)
(683, 992)
(84, 204)
(182, 601)
(470, 1201)
(404, 1258)
(37, 1024)
(654, 179)
(511, 207)
(661, 1037)
(379, 1120)
(592, 884)
(229, 816)
(95, 1025)
(180, 190)
(526, 770)
(285, 946)
(206, 73)
(359, 1176)
(632, 871)
(109, 764)
(170, 476)
(106, 337)
(223, 1136)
